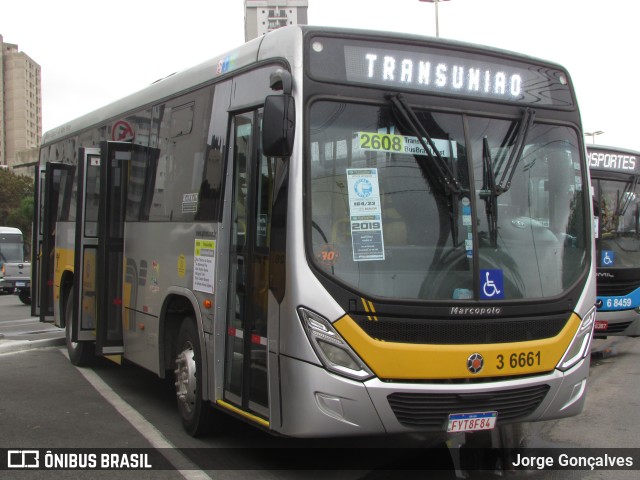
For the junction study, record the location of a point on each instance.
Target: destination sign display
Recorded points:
(436, 70)
(613, 160)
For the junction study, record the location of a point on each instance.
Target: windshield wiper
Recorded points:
(492, 190)
(626, 198)
(406, 113)
(437, 164)
(516, 152)
(489, 193)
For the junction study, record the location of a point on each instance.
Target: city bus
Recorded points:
(331, 232)
(616, 195)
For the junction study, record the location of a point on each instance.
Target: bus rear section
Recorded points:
(614, 177)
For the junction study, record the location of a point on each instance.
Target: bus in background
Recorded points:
(616, 194)
(12, 250)
(331, 232)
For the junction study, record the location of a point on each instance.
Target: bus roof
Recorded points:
(609, 148)
(10, 230)
(279, 43)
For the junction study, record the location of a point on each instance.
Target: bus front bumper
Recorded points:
(317, 403)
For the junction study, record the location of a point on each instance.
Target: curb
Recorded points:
(12, 346)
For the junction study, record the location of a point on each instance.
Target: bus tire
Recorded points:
(81, 354)
(194, 411)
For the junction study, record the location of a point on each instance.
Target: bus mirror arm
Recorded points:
(278, 125)
(281, 80)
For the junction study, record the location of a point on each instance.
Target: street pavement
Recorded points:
(20, 331)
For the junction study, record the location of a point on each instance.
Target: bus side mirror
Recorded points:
(278, 125)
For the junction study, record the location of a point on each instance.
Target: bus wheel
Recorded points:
(195, 412)
(80, 353)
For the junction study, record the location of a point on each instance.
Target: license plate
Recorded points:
(470, 422)
(601, 325)
(20, 284)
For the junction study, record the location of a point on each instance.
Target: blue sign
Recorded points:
(491, 285)
(607, 258)
(625, 302)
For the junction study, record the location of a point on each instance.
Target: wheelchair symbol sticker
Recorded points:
(607, 258)
(491, 284)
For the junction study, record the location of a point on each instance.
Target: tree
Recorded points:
(16, 202)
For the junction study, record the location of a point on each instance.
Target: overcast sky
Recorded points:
(92, 53)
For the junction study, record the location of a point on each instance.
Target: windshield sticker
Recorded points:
(468, 245)
(189, 202)
(328, 255)
(401, 144)
(466, 211)
(607, 258)
(462, 294)
(492, 285)
(365, 214)
(204, 262)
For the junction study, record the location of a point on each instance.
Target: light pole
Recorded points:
(436, 2)
(593, 135)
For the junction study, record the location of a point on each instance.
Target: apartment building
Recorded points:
(20, 107)
(262, 16)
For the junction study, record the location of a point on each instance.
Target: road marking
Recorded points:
(184, 466)
(22, 321)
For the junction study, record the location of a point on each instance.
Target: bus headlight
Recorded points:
(334, 353)
(579, 347)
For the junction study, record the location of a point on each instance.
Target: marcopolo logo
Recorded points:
(475, 311)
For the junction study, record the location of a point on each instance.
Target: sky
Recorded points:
(93, 53)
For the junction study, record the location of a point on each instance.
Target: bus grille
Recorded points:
(617, 289)
(613, 328)
(431, 410)
(463, 331)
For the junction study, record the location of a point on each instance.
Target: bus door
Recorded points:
(102, 191)
(53, 181)
(245, 382)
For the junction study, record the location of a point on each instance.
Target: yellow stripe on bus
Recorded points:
(392, 360)
(242, 413)
(369, 308)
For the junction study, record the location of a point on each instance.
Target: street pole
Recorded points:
(437, 23)
(593, 135)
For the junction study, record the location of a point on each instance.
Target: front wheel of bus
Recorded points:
(195, 412)
(80, 353)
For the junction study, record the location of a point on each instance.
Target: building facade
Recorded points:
(262, 16)
(20, 108)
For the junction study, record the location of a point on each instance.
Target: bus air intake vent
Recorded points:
(431, 410)
(463, 331)
(614, 328)
(619, 288)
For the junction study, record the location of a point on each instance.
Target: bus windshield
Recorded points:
(386, 222)
(618, 208)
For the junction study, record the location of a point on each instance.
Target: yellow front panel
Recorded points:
(391, 360)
